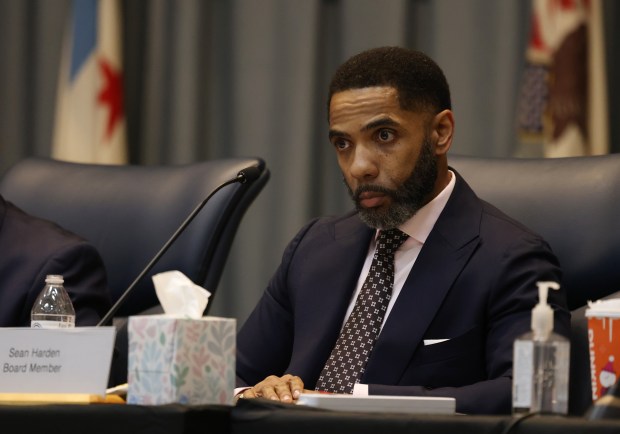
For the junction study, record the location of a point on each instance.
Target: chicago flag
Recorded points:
(90, 121)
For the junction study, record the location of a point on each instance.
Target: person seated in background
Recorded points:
(422, 289)
(31, 249)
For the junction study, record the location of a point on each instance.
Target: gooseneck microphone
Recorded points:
(245, 175)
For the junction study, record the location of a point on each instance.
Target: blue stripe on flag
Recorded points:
(84, 33)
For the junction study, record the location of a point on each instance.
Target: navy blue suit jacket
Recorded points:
(32, 248)
(474, 283)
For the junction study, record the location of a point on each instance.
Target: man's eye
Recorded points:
(385, 135)
(341, 144)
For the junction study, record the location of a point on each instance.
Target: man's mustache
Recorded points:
(373, 188)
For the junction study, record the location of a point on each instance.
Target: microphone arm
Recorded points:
(245, 175)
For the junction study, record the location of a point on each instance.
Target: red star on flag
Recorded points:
(111, 95)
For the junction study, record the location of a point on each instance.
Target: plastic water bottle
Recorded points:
(53, 308)
(541, 363)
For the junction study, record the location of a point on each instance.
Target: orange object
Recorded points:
(604, 348)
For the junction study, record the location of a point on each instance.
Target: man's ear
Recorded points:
(442, 130)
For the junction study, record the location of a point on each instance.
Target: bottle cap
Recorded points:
(542, 314)
(54, 279)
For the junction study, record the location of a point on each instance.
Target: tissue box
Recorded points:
(175, 360)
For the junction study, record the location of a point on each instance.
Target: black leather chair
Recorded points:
(574, 203)
(129, 212)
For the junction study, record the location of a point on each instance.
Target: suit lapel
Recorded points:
(343, 251)
(446, 251)
(347, 239)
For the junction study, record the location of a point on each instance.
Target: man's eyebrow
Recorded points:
(381, 122)
(336, 133)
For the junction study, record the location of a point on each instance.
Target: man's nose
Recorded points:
(364, 165)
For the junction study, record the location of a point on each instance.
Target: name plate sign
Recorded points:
(75, 360)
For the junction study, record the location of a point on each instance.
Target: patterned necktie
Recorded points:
(347, 362)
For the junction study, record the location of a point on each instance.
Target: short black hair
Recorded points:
(420, 82)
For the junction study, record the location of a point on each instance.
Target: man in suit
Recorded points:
(33, 248)
(464, 280)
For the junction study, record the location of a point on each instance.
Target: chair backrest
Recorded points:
(574, 203)
(129, 212)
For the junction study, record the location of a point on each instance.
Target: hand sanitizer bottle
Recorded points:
(541, 363)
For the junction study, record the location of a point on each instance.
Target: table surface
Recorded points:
(255, 416)
(115, 419)
(259, 416)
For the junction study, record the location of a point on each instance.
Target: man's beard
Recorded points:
(407, 199)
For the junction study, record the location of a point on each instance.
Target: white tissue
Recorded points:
(179, 296)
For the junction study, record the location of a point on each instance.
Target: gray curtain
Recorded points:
(216, 78)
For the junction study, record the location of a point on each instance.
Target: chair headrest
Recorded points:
(129, 212)
(574, 203)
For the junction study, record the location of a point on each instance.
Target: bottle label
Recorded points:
(42, 324)
(523, 371)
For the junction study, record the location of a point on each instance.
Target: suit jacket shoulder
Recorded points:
(34, 247)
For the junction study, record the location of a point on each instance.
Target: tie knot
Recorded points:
(390, 240)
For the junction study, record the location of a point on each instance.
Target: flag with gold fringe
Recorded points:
(563, 100)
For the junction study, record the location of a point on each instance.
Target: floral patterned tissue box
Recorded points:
(174, 360)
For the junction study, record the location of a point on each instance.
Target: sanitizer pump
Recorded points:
(541, 363)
